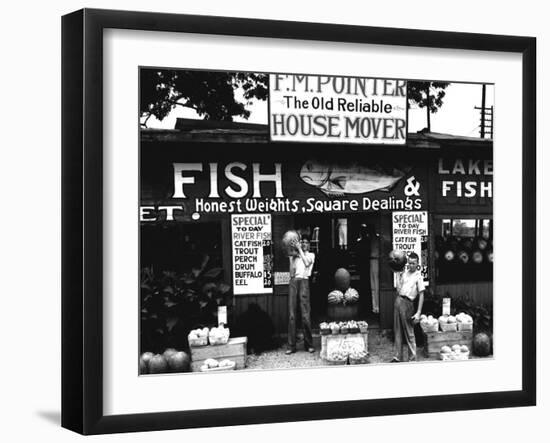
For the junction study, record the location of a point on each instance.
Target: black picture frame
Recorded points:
(82, 232)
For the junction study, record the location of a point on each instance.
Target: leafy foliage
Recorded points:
(172, 305)
(417, 93)
(210, 94)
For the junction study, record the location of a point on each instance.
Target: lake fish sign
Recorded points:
(335, 109)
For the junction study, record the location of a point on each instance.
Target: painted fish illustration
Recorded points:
(341, 179)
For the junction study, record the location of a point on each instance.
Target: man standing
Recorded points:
(410, 285)
(301, 265)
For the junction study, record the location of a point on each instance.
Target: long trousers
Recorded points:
(403, 327)
(298, 289)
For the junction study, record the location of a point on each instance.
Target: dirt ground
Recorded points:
(380, 351)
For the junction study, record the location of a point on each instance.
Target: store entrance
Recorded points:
(349, 241)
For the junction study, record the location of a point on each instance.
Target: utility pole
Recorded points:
(483, 111)
(486, 117)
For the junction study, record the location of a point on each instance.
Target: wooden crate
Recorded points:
(433, 341)
(326, 339)
(234, 349)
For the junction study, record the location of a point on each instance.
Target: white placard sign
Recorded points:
(251, 244)
(410, 229)
(337, 109)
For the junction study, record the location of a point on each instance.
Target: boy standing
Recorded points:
(410, 285)
(298, 289)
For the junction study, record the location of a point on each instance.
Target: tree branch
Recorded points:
(144, 124)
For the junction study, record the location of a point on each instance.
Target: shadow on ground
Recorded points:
(54, 417)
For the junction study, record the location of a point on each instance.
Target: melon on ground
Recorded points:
(482, 345)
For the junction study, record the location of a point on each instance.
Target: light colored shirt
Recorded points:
(300, 268)
(410, 284)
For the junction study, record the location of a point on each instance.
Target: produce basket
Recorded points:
(325, 331)
(218, 340)
(469, 327)
(354, 330)
(344, 330)
(454, 356)
(433, 327)
(200, 341)
(218, 336)
(447, 327)
(335, 331)
(219, 369)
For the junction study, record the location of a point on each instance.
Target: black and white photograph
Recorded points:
(292, 220)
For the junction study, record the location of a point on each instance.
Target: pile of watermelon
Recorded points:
(170, 360)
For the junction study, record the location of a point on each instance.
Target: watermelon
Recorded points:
(342, 279)
(351, 296)
(142, 366)
(482, 344)
(179, 362)
(335, 297)
(397, 260)
(289, 238)
(168, 352)
(158, 364)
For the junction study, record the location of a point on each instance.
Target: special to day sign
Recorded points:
(251, 242)
(336, 109)
(410, 231)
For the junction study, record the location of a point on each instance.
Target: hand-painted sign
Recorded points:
(304, 186)
(410, 234)
(465, 181)
(337, 109)
(251, 242)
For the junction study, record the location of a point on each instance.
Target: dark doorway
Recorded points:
(342, 241)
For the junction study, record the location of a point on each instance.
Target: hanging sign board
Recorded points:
(251, 244)
(410, 234)
(337, 109)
